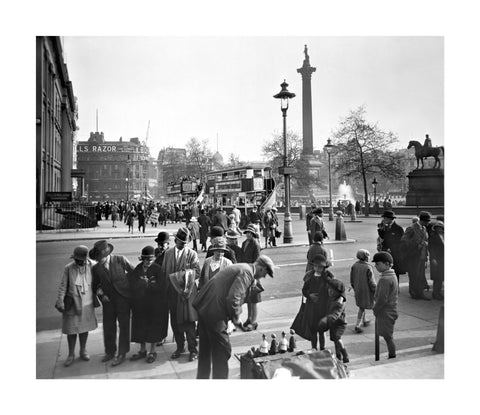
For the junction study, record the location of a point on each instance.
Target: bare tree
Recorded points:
(273, 150)
(233, 160)
(362, 150)
(199, 155)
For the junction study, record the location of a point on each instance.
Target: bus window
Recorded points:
(257, 173)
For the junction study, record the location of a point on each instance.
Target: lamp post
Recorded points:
(328, 148)
(128, 175)
(284, 95)
(374, 184)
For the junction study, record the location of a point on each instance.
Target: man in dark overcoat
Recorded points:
(415, 249)
(436, 249)
(391, 234)
(163, 241)
(220, 219)
(110, 283)
(182, 314)
(219, 301)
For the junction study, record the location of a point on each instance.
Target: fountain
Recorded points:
(345, 192)
(345, 196)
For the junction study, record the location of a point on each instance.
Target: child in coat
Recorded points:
(335, 319)
(385, 299)
(364, 285)
(315, 290)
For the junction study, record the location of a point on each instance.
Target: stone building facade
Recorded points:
(116, 170)
(56, 117)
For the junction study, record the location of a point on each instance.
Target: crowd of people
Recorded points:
(203, 301)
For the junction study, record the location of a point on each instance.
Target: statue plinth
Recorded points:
(425, 188)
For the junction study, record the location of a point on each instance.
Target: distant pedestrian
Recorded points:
(75, 292)
(315, 290)
(194, 229)
(220, 219)
(111, 285)
(130, 218)
(238, 215)
(142, 218)
(335, 320)
(114, 210)
(254, 218)
(317, 224)
(308, 219)
(363, 283)
(270, 224)
(385, 300)
(148, 295)
(205, 223)
(358, 207)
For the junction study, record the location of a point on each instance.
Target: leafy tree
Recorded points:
(361, 150)
(199, 155)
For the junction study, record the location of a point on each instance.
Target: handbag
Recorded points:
(300, 324)
(277, 233)
(67, 300)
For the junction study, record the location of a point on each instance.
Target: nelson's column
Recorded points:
(309, 166)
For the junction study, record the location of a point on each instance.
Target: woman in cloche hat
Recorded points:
(215, 263)
(76, 302)
(251, 251)
(147, 285)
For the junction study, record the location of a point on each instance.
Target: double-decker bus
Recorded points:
(184, 190)
(244, 186)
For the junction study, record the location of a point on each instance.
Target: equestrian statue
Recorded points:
(426, 150)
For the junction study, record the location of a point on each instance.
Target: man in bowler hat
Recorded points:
(112, 287)
(391, 234)
(163, 241)
(182, 314)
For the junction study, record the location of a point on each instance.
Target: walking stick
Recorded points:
(377, 342)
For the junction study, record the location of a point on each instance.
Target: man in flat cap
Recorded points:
(219, 301)
(110, 283)
(182, 314)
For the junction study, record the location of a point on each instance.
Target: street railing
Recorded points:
(65, 215)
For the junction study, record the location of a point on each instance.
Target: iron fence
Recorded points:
(66, 215)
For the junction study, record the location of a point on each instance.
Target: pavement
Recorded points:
(415, 333)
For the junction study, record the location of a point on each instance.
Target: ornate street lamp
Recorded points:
(284, 95)
(329, 148)
(374, 184)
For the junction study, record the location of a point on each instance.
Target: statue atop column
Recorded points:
(306, 61)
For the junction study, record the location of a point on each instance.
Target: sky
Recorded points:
(222, 87)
